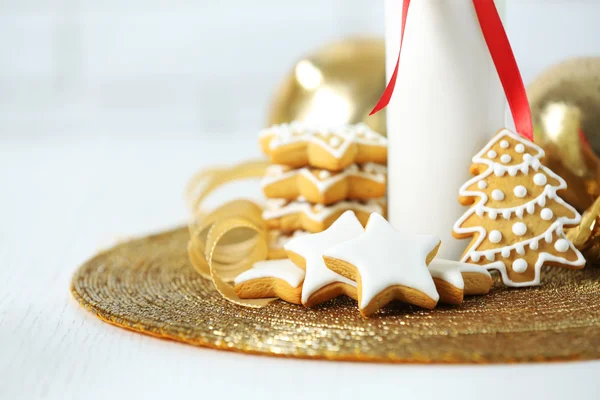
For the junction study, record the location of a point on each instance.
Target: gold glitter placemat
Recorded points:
(148, 285)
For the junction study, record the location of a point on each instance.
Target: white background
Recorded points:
(106, 108)
(87, 67)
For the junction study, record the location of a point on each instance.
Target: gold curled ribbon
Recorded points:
(227, 241)
(586, 235)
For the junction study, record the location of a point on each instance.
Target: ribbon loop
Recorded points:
(228, 240)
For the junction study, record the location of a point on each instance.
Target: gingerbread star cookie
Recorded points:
(386, 265)
(276, 240)
(453, 280)
(516, 219)
(273, 278)
(320, 283)
(299, 144)
(289, 216)
(319, 186)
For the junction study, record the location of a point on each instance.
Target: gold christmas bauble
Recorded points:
(337, 84)
(565, 104)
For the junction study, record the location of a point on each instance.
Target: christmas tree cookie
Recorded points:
(516, 218)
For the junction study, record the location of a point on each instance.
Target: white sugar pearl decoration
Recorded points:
(506, 158)
(520, 191)
(498, 195)
(324, 174)
(520, 265)
(540, 179)
(335, 141)
(519, 212)
(561, 245)
(492, 154)
(520, 148)
(519, 228)
(482, 185)
(547, 214)
(495, 236)
(504, 144)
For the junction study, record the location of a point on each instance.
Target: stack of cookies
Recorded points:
(317, 174)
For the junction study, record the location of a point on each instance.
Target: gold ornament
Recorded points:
(148, 285)
(565, 104)
(339, 83)
(586, 237)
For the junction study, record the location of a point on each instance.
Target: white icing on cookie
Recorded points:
(277, 239)
(504, 144)
(561, 245)
(482, 185)
(497, 195)
(277, 208)
(311, 248)
(506, 158)
(334, 140)
(279, 269)
(492, 154)
(547, 214)
(531, 162)
(325, 179)
(385, 257)
(519, 228)
(520, 148)
(520, 191)
(451, 271)
(495, 236)
(519, 265)
(540, 179)
(324, 174)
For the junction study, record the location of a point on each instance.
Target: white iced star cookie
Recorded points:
(386, 265)
(455, 279)
(320, 283)
(273, 278)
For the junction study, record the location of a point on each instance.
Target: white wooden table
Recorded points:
(64, 199)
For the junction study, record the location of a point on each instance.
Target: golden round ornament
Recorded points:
(337, 84)
(565, 105)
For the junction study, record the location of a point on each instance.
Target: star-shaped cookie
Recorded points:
(320, 283)
(453, 280)
(386, 265)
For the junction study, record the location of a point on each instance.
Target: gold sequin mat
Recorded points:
(147, 285)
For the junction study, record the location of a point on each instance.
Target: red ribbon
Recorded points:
(504, 60)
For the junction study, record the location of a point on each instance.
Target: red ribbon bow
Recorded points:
(504, 60)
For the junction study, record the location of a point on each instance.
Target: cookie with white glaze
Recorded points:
(517, 218)
(320, 186)
(276, 240)
(273, 278)
(387, 265)
(299, 144)
(289, 216)
(453, 280)
(320, 283)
